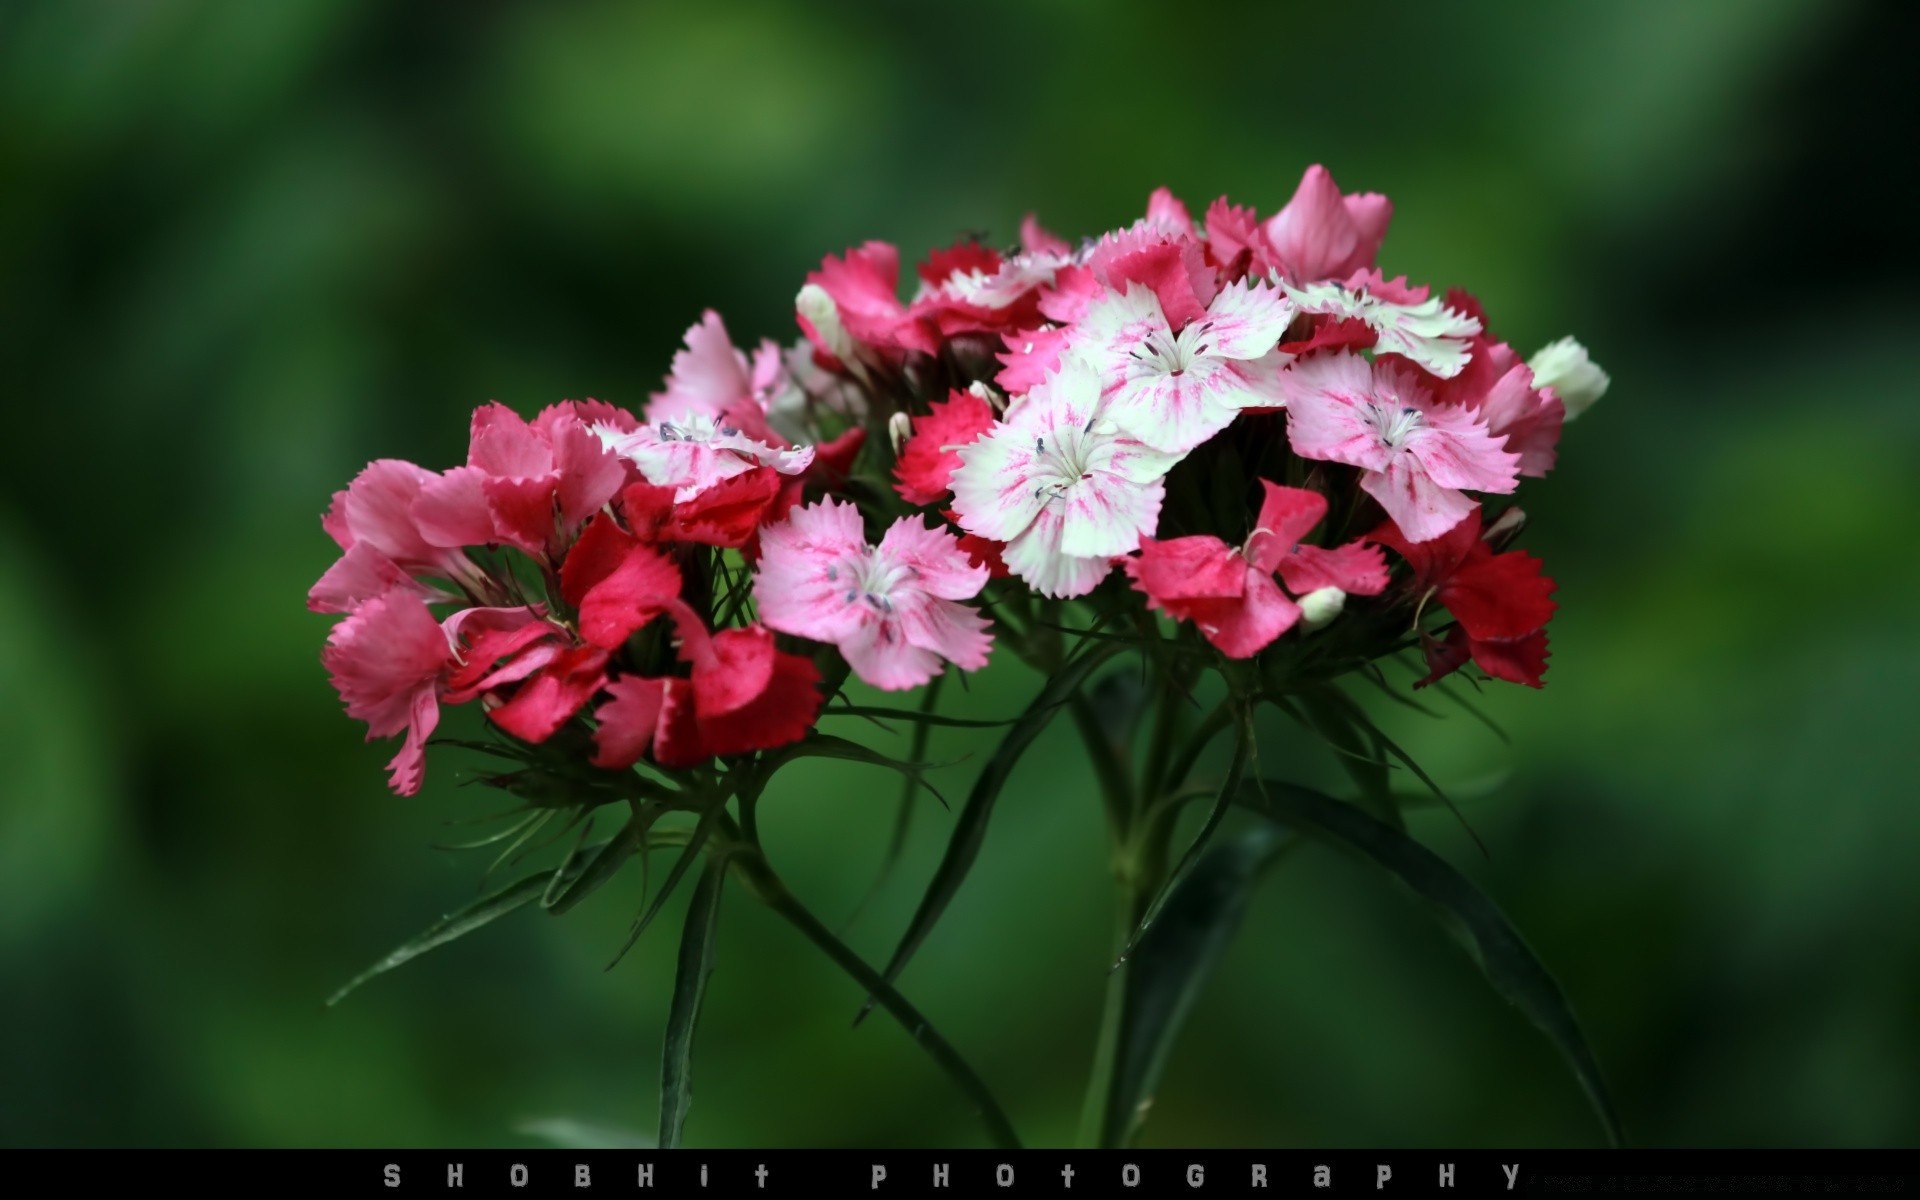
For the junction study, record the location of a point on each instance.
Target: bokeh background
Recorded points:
(244, 248)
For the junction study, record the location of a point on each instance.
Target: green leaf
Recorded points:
(1473, 919)
(907, 714)
(716, 805)
(909, 792)
(825, 745)
(970, 827)
(455, 924)
(689, 990)
(1364, 763)
(1387, 745)
(605, 863)
(1172, 962)
(1189, 860)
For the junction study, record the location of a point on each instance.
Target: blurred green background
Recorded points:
(244, 248)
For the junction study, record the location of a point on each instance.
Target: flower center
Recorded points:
(1396, 425)
(871, 580)
(1061, 461)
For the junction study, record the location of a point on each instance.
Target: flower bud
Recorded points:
(899, 429)
(1575, 378)
(818, 309)
(1504, 529)
(995, 401)
(1320, 606)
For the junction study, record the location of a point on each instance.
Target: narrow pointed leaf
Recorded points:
(605, 863)
(909, 792)
(1190, 859)
(770, 890)
(1172, 962)
(1468, 914)
(970, 827)
(456, 924)
(689, 991)
(701, 831)
(1363, 758)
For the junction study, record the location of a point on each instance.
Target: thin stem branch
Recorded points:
(770, 890)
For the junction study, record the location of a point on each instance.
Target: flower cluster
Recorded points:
(1233, 431)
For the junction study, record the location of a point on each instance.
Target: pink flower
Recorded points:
(891, 608)
(1499, 386)
(393, 664)
(618, 583)
(711, 378)
(1416, 454)
(971, 289)
(386, 660)
(1036, 239)
(1031, 355)
(1229, 592)
(693, 453)
(1176, 365)
(1061, 485)
(1321, 234)
(526, 484)
(374, 522)
(928, 457)
(850, 308)
(549, 698)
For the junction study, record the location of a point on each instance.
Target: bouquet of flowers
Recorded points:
(1186, 469)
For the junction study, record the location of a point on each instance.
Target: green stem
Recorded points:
(1110, 767)
(767, 887)
(1096, 1116)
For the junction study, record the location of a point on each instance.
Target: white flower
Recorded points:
(1061, 484)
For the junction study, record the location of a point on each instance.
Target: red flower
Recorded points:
(930, 455)
(743, 695)
(1229, 593)
(1500, 602)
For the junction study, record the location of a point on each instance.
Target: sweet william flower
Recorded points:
(1497, 385)
(1416, 455)
(1174, 377)
(1229, 592)
(1061, 485)
(393, 664)
(1320, 234)
(526, 484)
(924, 470)
(892, 609)
(1403, 320)
(383, 546)
(743, 695)
(1501, 603)
(695, 452)
(386, 660)
(712, 378)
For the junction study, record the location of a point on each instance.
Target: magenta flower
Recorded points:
(892, 609)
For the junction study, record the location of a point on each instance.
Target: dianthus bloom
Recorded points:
(1500, 602)
(1417, 455)
(891, 609)
(1062, 486)
(1229, 592)
(1175, 377)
